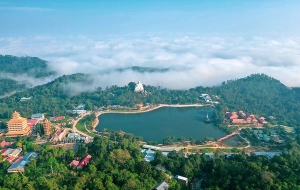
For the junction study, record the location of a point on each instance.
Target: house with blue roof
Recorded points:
(38, 116)
(20, 165)
(149, 155)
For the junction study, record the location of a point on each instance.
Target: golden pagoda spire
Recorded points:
(16, 115)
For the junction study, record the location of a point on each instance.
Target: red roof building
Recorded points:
(246, 118)
(57, 118)
(11, 159)
(32, 122)
(74, 163)
(3, 150)
(232, 115)
(262, 120)
(84, 161)
(239, 121)
(18, 159)
(4, 143)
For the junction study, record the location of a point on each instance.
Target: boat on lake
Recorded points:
(206, 119)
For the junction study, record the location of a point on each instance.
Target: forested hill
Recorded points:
(32, 66)
(258, 94)
(15, 71)
(52, 98)
(261, 94)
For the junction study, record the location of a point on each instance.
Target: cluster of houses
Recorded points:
(19, 164)
(243, 118)
(79, 164)
(78, 110)
(12, 155)
(206, 98)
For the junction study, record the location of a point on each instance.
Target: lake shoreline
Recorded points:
(144, 111)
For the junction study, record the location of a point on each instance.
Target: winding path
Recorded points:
(75, 123)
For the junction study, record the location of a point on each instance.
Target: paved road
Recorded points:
(75, 123)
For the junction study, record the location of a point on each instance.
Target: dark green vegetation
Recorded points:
(13, 67)
(119, 166)
(32, 66)
(238, 171)
(9, 86)
(262, 95)
(113, 166)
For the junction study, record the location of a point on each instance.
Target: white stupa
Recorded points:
(139, 87)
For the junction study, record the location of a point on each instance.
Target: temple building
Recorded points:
(17, 126)
(139, 87)
(47, 127)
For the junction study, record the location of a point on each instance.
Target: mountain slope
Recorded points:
(15, 72)
(32, 66)
(261, 94)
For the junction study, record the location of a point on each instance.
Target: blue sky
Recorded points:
(74, 17)
(204, 42)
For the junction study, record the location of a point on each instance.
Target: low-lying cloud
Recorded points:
(192, 60)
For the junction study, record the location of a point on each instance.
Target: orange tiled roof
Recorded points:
(239, 121)
(20, 120)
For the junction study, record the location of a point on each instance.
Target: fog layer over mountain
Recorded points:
(192, 60)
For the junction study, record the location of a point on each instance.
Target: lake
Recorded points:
(163, 122)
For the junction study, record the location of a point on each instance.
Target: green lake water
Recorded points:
(163, 122)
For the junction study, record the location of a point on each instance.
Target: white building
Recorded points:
(79, 112)
(73, 136)
(25, 99)
(12, 152)
(139, 87)
(181, 179)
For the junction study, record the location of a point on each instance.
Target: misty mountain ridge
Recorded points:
(20, 73)
(31, 66)
(143, 69)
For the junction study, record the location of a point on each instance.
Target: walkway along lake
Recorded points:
(163, 122)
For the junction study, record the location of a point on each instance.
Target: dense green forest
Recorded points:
(262, 95)
(12, 67)
(9, 86)
(113, 166)
(32, 66)
(120, 166)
